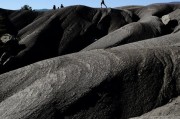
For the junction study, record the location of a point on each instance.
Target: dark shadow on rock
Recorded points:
(8, 58)
(22, 18)
(6, 26)
(68, 30)
(170, 27)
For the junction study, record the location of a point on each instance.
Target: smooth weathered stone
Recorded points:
(168, 111)
(94, 84)
(146, 28)
(134, 75)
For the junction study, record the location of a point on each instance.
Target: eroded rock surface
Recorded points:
(168, 111)
(150, 27)
(89, 63)
(92, 84)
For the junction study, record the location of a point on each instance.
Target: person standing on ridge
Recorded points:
(103, 3)
(62, 6)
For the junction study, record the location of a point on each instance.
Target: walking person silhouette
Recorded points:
(62, 6)
(103, 3)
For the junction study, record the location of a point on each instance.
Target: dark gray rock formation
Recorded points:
(173, 20)
(6, 25)
(132, 71)
(168, 111)
(57, 32)
(144, 29)
(112, 83)
(156, 9)
(22, 18)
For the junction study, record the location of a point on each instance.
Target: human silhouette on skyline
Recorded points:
(62, 6)
(103, 3)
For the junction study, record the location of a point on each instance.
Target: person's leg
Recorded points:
(105, 5)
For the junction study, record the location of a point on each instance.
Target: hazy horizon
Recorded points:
(48, 4)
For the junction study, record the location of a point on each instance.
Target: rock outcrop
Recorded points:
(112, 83)
(168, 111)
(150, 27)
(90, 63)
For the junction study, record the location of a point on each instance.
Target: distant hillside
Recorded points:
(41, 10)
(175, 2)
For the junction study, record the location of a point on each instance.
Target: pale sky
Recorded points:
(48, 4)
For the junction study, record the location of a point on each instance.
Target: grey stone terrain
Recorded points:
(90, 63)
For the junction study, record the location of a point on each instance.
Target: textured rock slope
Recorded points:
(90, 63)
(63, 31)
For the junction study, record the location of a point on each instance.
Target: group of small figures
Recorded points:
(54, 7)
(62, 6)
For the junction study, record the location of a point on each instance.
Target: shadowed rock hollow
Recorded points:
(89, 63)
